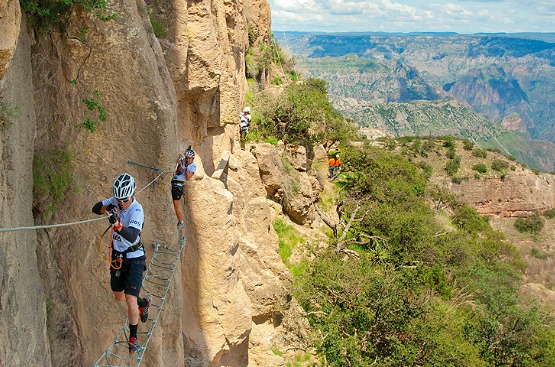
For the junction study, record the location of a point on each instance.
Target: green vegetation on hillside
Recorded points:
(48, 14)
(393, 82)
(411, 276)
(265, 60)
(419, 292)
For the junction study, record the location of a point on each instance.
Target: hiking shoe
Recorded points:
(180, 225)
(133, 345)
(143, 311)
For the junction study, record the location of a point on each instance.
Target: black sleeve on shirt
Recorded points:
(96, 208)
(129, 233)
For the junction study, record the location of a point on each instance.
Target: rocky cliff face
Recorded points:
(504, 189)
(520, 193)
(23, 333)
(159, 95)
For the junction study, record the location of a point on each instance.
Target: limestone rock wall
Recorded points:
(217, 310)
(519, 193)
(10, 21)
(159, 95)
(23, 339)
(205, 51)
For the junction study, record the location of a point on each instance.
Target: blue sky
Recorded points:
(461, 16)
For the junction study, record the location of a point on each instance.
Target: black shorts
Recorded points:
(130, 277)
(177, 192)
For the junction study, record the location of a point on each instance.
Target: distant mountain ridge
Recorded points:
(497, 75)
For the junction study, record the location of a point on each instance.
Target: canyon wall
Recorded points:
(159, 94)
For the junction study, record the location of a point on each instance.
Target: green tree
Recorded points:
(452, 166)
(48, 14)
(303, 115)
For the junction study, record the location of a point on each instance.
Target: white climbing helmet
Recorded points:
(124, 186)
(247, 110)
(189, 152)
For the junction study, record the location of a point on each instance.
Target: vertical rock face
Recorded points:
(520, 193)
(23, 339)
(117, 65)
(10, 19)
(159, 95)
(205, 50)
(217, 312)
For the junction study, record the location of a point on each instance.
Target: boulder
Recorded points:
(271, 169)
(297, 156)
(301, 191)
(264, 276)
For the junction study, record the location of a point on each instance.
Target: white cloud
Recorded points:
(505, 20)
(463, 16)
(484, 14)
(399, 8)
(298, 17)
(453, 9)
(294, 6)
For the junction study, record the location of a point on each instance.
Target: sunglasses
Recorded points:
(123, 201)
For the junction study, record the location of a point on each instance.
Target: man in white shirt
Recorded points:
(128, 261)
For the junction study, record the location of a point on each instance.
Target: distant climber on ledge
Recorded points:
(245, 120)
(184, 171)
(338, 164)
(128, 261)
(331, 165)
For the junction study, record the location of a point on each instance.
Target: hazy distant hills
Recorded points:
(419, 118)
(500, 76)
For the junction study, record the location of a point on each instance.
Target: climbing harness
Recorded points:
(115, 257)
(110, 247)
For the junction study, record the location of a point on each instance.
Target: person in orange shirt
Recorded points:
(331, 163)
(337, 164)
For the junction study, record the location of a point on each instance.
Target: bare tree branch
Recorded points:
(326, 220)
(350, 252)
(341, 241)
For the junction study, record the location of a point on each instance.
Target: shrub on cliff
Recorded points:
(47, 15)
(453, 165)
(530, 224)
(52, 178)
(480, 167)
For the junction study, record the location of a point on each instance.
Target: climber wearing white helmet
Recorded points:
(184, 171)
(245, 119)
(127, 217)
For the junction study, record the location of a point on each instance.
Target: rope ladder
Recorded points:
(156, 284)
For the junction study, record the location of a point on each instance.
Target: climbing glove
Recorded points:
(112, 217)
